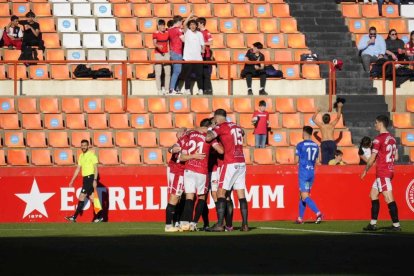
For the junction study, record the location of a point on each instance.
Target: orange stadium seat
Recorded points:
(268, 25)
(127, 25)
(118, 71)
(9, 121)
(38, 72)
(343, 138)
(36, 139)
(92, 105)
(42, 9)
(130, 157)
(278, 139)
(402, 120)
(412, 155)
(247, 156)
(41, 157)
(71, 105)
(224, 73)
(58, 139)
(78, 136)
(201, 116)
(280, 10)
(390, 11)
(245, 121)
(229, 25)
(114, 105)
(357, 26)
(185, 120)
(103, 139)
(157, 105)
(11, 54)
(138, 54)
(27, 105)
(262, 10)
(17, 157)
(202, 10)
(147, 139)
(2, 72)
(200, 104)
(163, 120)
(21, 72)
(133, 40)
(168, 138)
(153, 156)
(235, 41)
(306, 105)
(274, 120)
(2, 158)
(179, 105)
(379, 24)
(142, 71)
(47, 23)
(291, 120)
(136, 105)
(285, 156)
(222, 55)
(14, 139)
(263, 156)
(20, 9)
(183, 9)
(249, 26)
(295, 137)
(351, 10)
(5, 10)
(7, 105)
(243, 105)
(53, 121)
(222, 10)
(296, 41)
(140, 121)
(149, 42)
(97, 121)
(311, 72)
(142, 10)
(252, 38)
(49, 105)
(51, 40)
(147, 25)
(212, 25)
(291, 72)
(222, 102)
(119, 121)
(75, 121)
(59, 72)
(409, 104)
(369, 11)
(400, 25)
(288, 25)
(125, 139)
(63, 157)
(242, 10)
(350, 156)
(285, 105)
(218, 43)
(239, 55)
(31, 121)
(122, 10)
(162, 10)
(108, 157)
(249, 138)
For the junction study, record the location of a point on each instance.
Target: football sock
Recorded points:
(392, 207)
(215, 204)
(199, 209)
(79, 209)
(302, 207)
(188, 210)
(243, 210)
(205, 214)
(229, 213)
(375, 207)
(179, 210)
(169, 213)
(221, 209)
(311, 205)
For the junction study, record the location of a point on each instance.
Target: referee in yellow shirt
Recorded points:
(88, 163)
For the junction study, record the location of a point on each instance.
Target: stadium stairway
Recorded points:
(328, 36)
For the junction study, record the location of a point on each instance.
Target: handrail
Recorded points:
(394, 88)
(124, 63)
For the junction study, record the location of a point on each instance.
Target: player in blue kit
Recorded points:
(307, 153)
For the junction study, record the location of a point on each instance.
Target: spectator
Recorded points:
(371, 48)
(160, 38)
(207, 68)
(364, 151)
(193, 51)
(409, 47)
(32, 35)
(254, 70)
(260, 120)
(381, 2)
(13, 34)
(395, 46)
(338, 158)
(176, 39)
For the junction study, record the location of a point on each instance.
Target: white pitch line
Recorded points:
(319, 231)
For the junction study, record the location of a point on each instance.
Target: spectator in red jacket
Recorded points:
(13, 34)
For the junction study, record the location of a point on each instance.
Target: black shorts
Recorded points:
(87, 187)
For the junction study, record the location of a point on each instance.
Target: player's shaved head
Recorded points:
(308, 130)
(220, 112)
(205, 122)
(326, 118)
(384, 120)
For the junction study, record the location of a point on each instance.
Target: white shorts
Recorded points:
(382, 184)
(175, 183)
(215, 180)
(233, 176)
(195, 183)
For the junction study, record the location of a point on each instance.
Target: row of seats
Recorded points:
(153, 156)
(382, 25)
(353, 10)
(410, 104)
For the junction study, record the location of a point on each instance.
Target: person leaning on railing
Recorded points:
(409, 47)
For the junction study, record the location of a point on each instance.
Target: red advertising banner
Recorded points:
(139, 194)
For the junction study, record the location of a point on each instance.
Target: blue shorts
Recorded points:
(305, 183)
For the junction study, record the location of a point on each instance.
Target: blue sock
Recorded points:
(311, 205)
(302, 207)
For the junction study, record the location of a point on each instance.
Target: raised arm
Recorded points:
(210, 136)
(319, 124)
(219, 148)
(338, 117)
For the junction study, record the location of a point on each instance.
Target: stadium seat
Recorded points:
(142, 71)
(119, 121)
(291, 120)
(245, 121)
(27, 105)
(75, 121)
(201, 116)
(280, 10)
(20, 9)
(9, 121)
(122, 10)
(2, 158)
(242, 10)
(140, 121)
(288, 25)
(409, 104)
(222, 55)
(130, 156)
(5, 11)
(262, 10)
(86, 25)
(274, 120)
(82, 9)
(400, 25)
(263, 156)
(168, 138)
(379, 24)
(10, 54)
(295, 137)
(21, 72)
(343, 138)
(223, 103)
(138, 54)
(157, 105)
(14, 139)
(106, 25)
(278, 139)
(350, 156)
(200, 104)
(114, 105)
(247, 156)
(136, 105)
(64, 25)
(103, 139)
(97, 121)
(58, 139)
(142, 10)
(2, 72)
(133, 40)
(47, 23)
(31, 121)
(224, 73)
(6, 105)
(306, 105)
(63, 157)
(17, 157)
(243, 105)
(36, 139)
(296, 41)
(229, 25)
(102, 10)
(53, 121)
(222, 10)
(182, 9)
(91, 41)
(285, 105)
(51, 40)
(249, 138)
(118, 71)
(311, 72)
(78, 136)
(49, 105)
(38, 72)
(369, 11)
(92, 105)
(351, 10)
(203, 10)
(412, 155)
(153, 156)
(108, 157)
(71, 105)
(185, 120)
(249, 26)
(147, 139)
(127, 25)
(41, 157)
(125, 139)
(162, 10)
(235, 41)
(291, 72)
(275, 41)
(212, 25)
(285, 156)
(179, 105)
(268, 25)
(147, 25)
(402, 120)
(70, 40)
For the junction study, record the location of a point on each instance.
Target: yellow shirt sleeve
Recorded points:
(332, 162)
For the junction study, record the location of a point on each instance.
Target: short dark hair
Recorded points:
(365, 141)
(192, 21)
(384, 120)
(202, 20)
(220, 112)
(308, 130)
(326, 118)
(177, 18)
(14, 17)
(372, 29)
(338, 152)
(205, 122)
(262, 103)
(161, 22)
(85, 141)
(31, 14)
(258, 45)
(170, 23)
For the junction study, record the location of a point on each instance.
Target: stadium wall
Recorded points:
(139, 194)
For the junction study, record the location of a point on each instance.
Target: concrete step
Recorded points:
(332, 43)
(323, 29)
(377, 99)
(312, 6)
(329, 36)
(327, 21)
(317, 14)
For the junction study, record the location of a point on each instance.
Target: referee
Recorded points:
(88, 162)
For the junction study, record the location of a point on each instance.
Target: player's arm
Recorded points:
(318, 123)
(334, 122)
(185, 157)
(210, 135)
(219, 148)
(185, 24)
(370, 162)
(158, 46)
(75, 174)
(174, 148)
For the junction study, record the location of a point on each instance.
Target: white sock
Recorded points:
(373, 221)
